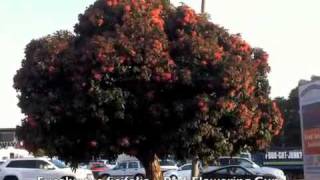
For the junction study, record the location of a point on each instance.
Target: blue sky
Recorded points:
(287, 29)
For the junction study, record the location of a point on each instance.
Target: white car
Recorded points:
(184, 172)
(40, 169)
(166, 164)
(129, 168)
(250, 165)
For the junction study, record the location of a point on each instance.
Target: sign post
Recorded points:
(309, 96)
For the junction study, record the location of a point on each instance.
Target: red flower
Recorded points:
(218, 56)
(108, 69)
(171, 62)
(93, 144)
(189, 16)
(97, 76)
(157, 45)
(156, 18)
(122, 59)
(109, 2)
(201, 103)
(127, 8)
(167, 76)
(204, 109)
(193, 33)
(238, 58)
(101, 56)
(51, 69)
(100, 22)
(115, 2)
(204, 62)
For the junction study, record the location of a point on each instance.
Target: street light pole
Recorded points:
(203, 5)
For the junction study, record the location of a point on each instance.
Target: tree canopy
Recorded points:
(290, 135)
(144, 78)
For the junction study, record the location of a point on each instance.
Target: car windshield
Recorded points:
(59, 163)
(167, 163)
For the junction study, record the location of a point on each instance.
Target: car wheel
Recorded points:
(173, 177)
(139, 177)
(104, 177)
(10, 178)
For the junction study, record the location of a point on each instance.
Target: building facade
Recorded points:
(8, 138)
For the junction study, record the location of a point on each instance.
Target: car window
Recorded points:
(186, 167)
(232, 171)
(122, 165)
(133, 165)
(58, 163)
(112, 162)
(221, 171)
(42, 164)
(30, 164)
(167, 163)
(244, 163)
(240, 171)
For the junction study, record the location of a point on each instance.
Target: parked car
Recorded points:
(40, 169)
(183, 172)
(246, 163)
(130, 169)
(234, 172)
(97, 167)
(167, 164)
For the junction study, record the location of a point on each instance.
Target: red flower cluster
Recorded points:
(278, 121)
(112, 2)
(240, 45)
(218, 56)
(203, 105)
(156, 18)
(246, 115)
(190, 16)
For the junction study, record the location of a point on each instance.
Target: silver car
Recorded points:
(130, 169)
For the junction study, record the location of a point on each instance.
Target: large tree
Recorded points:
(290, 135)
(144, 78)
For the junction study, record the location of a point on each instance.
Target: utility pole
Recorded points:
(203, 5)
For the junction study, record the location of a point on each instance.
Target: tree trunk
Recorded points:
(151, 166)
(195, 168)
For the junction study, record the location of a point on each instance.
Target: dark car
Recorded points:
(235, 172)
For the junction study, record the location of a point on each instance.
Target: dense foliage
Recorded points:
(144, 78)
(290, 135)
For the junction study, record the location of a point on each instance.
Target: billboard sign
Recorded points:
(309, 96)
